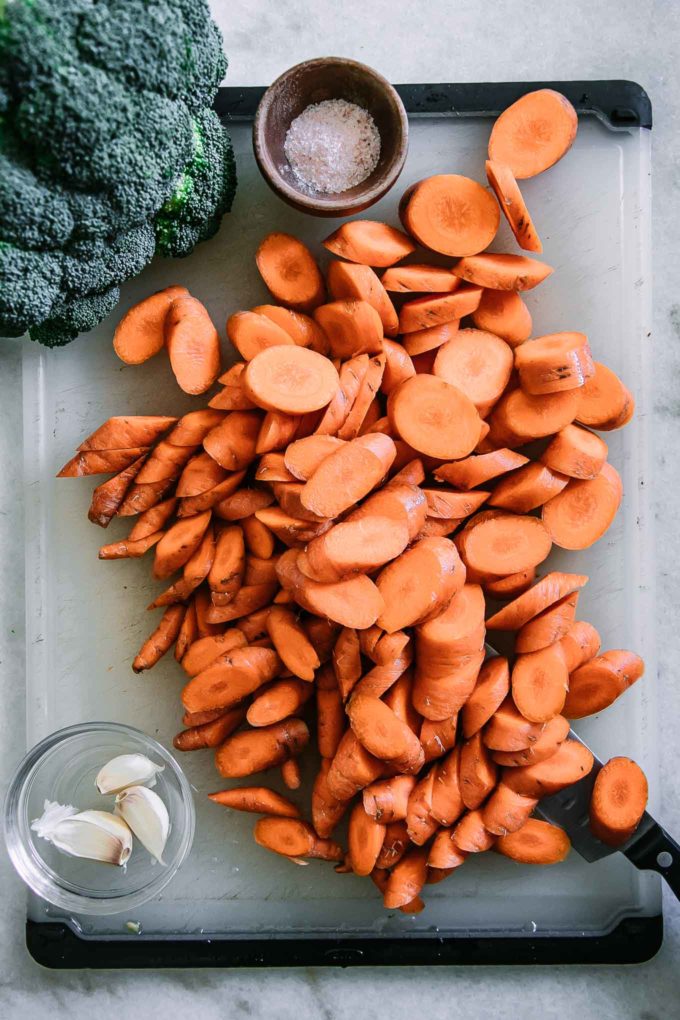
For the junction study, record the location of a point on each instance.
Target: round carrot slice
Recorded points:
(434, 418)
(477, 363)
(576, 452)
(549, 364)
(502, 272)
(369, 242)
(504, 313)
(193, 345)
(507, 544)
(539, 684)
(290, 272)
(451, 214)
(360, 283)
(533, 133)
(605, 402)
(537, 842)
(511, 586)
(522, 417)
(291, 379)
(140, 333)
(582, 512)
(513, 206)
(618, 801)
(571, 762)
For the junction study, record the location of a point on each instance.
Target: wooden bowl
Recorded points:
(313, 82)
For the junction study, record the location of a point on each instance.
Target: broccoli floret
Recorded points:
(108, 151)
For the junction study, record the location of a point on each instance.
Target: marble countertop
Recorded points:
(465, 40)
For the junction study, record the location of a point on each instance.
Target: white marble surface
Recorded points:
(458, 40)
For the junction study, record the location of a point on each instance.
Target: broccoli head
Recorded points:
(109, 152)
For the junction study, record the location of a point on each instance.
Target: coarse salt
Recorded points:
(333, 146)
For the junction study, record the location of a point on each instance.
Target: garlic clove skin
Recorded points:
(53, 814)
(147, 816)
(95, 835)
(127, 770)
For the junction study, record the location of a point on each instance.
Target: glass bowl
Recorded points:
(63, 768)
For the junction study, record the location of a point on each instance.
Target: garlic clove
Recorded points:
(127, 770)
(53, 814)
(96, 835)
(147, 816)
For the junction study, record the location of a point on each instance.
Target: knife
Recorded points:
(650, 848)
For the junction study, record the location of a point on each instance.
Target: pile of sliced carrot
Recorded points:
(334, 524)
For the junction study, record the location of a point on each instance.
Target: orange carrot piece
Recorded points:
(292, 837)
(470, 834)
(477, 363)
(140, 334)
(331, 722)
(291, 530)
(292, 644)
(510, 586)
(347, 661)
(352, 374)
(537, 842)
(271, 467)
(576, 452)
(508, 730)
(434, 310)
(291, 379)
(209, 734)
(354, 602)
(457, 630)
(199, 718)
(242, 504)
(504, 313)
(480, 468)
(605, 402)
(450, 214)
(107, 497)
(233, 442)
(327, 810)
(100, 462)
(554, 733)
(248, 599)
(365, 838)
(126, 431)
(552, 363)
(571, 762)
(193, 345)
(583, 512)
(369, 243)
(234, 675)
(354, 282)
(162, 639)
(401, 500)
(387, 800)
(506, 811)
(370, 384)
(252, 751)
(436, 564)
(548, 627)
(200, 475)
(444, 853)
(233, 396)
(597, 683)
(546, 592)
(506, 544)
(539, 683)
(477, 772)
(206, 650)
(406, 879)
(188, 634)
(528, 488)
(290, 272)
(519, 417)
(193, 427)
(258, 538)
(260, 571)
(351, 547)
(502, 272)
(447, 794)
(304, 456)
(438, 736)
(140, 498)
(179, 543)
(387, 671)
(153, 520)
(352, 768)
(384, 735)
(434, 418)
(420, 279)
(353, 327)
(513, 206)
(302, 328)
(491, 689)
(618, 801)
(395, 845)
(534, 132)
(251, 333)
(277, 430)
(282, 699)
(258, 800)
(191, 505)
(428, 340)
(420, 824)
(348, 475)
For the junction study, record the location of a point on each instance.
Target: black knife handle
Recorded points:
(657, 851)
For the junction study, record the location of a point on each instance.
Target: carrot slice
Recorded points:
(351, 547)
(491, 689)
(398, 368)
(506, 811)
(129, 548)
(294, 838)
(431, 310)
(422, 341)
(508, 730)
(192, 428)
(193, 345)
(232, 443)
(582, 512)
(228, 566)
(108, 496)
(352, 374)
(476, 470)
(513, 206)
(280, 700)
(354, 602)
(191, 505)
(457, 630)
(153, 519)
(252, 751)
(179, 543)
(348, 474)
(206, 650)
(326, 809)
(291, 379)
(302, 328)
(360, 283)
(304, 456)
(504, 313)
(539, 683)
(251, 333)
(596, 684)
(290, 272)
(571, 762)
(127, 431)
(507, 544)
(529, 487)
(353, 327)
(502, 272)
(100, 462)
(519, 417)
(387, 799)
(292, 644)
(237, 673)
(552, 363)
(406, 879)
(447, 798)
(576, 452)
(618, 801)
(537, 842)
(370, 384)
(246, 600)
(470, 834)
(420, 824)
(352, 768)
(200, 474)
(444, 853)
(441, 503)
(369, 243)
(420, 279)
(477, 363)
(162, 639)
(434, 418)
(451, 214)
(580, 644)
(438, 736)
(140, 333)
(187, 636)
(511, 586)
(477, 772)
(546, 592)
(534, 132)
(271, 467)
(605, 402)
(395, 844)
(276, 431)
(365, 837)
(419, 583)
(554, 732)
(548, 627)
(209, 734)
(347, 661)
(258, 800)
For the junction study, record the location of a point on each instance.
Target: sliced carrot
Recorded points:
(370, 243)
(246, 600)
(519, 417)
(292, 644)
(457, 630)
(327, 810)
(129, 548)
(513, 206)
(276, 431)
(353, 327)
(511, 586)
(480, 468)
(191, 505)
(534, 132)
(202, 607)
(395, 845)
(470, 834)
(504, 313)
(582, 512)
(442, 503)
(232, 443)
(386, 800)
(420, 279)
(506, 811)
(200, 474)
(355, 602)
(365, 838)
(537, 842)
(478, 363)
(502, 272)
(576, 452)
(360, 283)
(107, 497)
(187, 635)
(398, 366)
(554, 733)
(528, 488)
(271, 467)
(352, 768)
(580, 644)
(251, 333)
(162, 639)
(406, 879)
(228, 567)
(434, 418)
(294, 838)
(348, 474)
(258, 538)
(354, 547)
(477, 772)
(386, 673)
(153, 520)
(384, 735)
(259, 570)
(491, 689)
(420, 824)
(507, 544)
(258, 800)
(304, 456)
(605, 402)
(331, 721)
(291, 379)
(165, 462)
(447, 795)
(420, 583)
(401, 500)
(347, 661)
(232, 398)
(546, 592)
(100, 462)
(179, 543)
(140, 498)
(193, 345)
(252, 751)
(444, 853)
(285, 697)
(548, 627)
(539, 683)
(451, 214)
(351, 376)
(126, 431)
(140, 333)
(293, 531)
(234, 675)
(290, 272)
(204, 651)
(209, 734)
(370, 384)
(550, 364)
(300, 327)
(436, 310)
(438, 736)
(422, 341)
(597, 683)
(508, 730)
(618, 801)
(571, 762)
(192, 428)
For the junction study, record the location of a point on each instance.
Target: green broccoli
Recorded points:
(109, 152)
